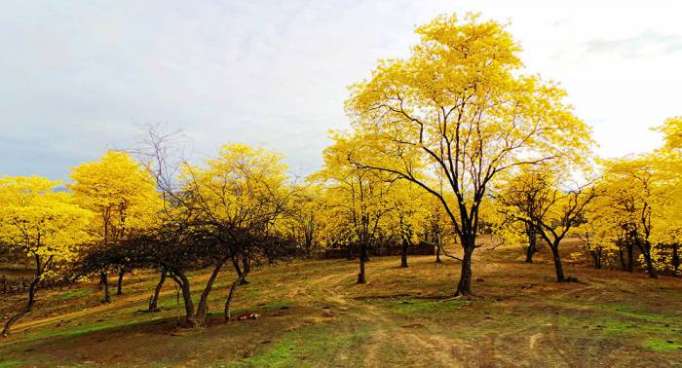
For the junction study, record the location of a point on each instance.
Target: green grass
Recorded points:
(419, 307)
(311, 346)
(74, 294)
(11, 364)
(662, 346)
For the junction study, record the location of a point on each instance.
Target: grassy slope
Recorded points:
(314, 315)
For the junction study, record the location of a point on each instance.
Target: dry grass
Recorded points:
(314, 315)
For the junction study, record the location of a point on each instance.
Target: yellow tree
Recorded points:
(123, 196)
(409, 216)
(668, 163)
(236, 198)
(45, 224)
(359, 196)
(551, 203)
(303, 216)
(639, 192)
(520, 198)
(459, 104)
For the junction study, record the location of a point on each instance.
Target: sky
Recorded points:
(80, 77)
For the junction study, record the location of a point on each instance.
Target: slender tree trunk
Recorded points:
(645, 248)
(228, 301)
(464, 285)
(629, 247)
(597, 255)
(438, 245)
(246, 263)
(119, 283)
(676, 259)
(532, 243)
(32, 289)
(403, 255)
(184, 285)
(202, 308)
(363, 257)
(104, 281)
(558, 266)
(154, 301)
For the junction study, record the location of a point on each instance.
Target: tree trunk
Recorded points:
(597, 257)
(119, 283)
(363, 257)
(246, 269)
(154, 301)
(184, 285)
(228, 301)
(558, 267)
(104, 281)
(202, 308)
(532, 243)
(630, 256)
(32, 289)
(676, 259)
(464, 285)
(403, 255)
(645, 248)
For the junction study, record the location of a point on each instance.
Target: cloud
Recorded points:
(644, 44)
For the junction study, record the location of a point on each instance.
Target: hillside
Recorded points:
(313, 314)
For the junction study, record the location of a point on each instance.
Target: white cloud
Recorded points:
(82, 76)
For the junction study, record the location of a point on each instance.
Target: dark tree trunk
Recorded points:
(558, 266)
(403, 255)
(363, 257)
(622, 258)
(464, 285)
(438, 260)
(228, 301)
(184, 285)
(104, 281)
(154, 301)
(629, 247)
(597, 255)
(202, 308)
(119, 283)
(676, 259)
(32, 289)
(532, 243)
(246, 269)
(645, 248)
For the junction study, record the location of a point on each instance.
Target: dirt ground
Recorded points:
(312, 314)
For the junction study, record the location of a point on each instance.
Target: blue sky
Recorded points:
(79, 77)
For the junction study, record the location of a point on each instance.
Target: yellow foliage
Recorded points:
(45, 223)
(120, 191)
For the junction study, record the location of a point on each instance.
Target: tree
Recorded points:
(237, 198)
(358, 195)
(552, 205)
(639, 192)
(409, 216)
(302, 216)
(460, 105)
(122, 194)
(44, 224)
(521, 199)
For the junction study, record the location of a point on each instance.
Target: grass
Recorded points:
(660, 346)
(11, 363)
(73, 294)
(310, 346)
(312, 314)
